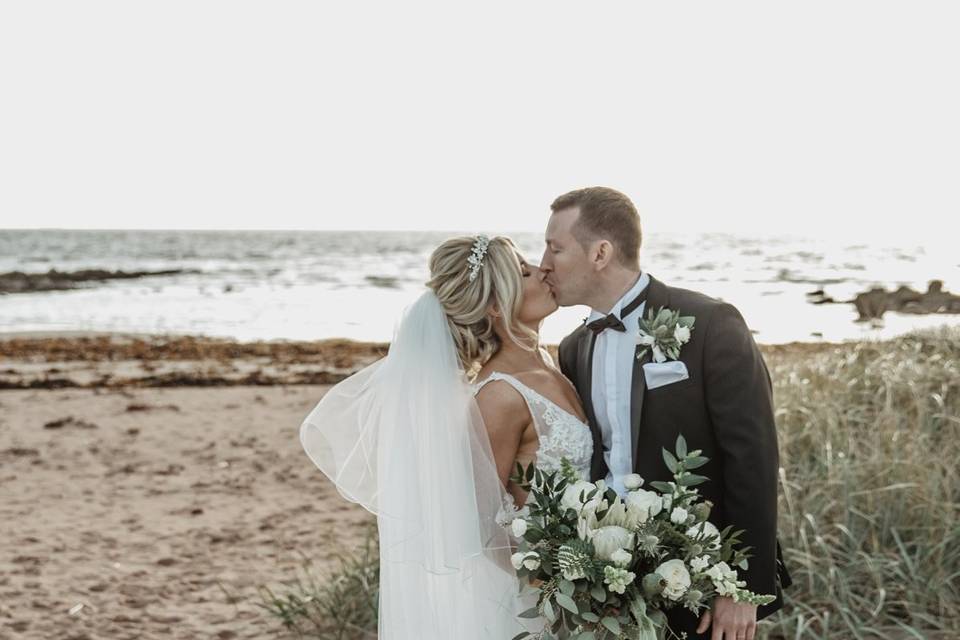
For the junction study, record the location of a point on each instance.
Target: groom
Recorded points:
(718, 393)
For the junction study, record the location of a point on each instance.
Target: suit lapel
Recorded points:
(585, 378)
(657, 297)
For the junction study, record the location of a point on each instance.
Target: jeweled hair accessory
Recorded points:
(476, 256)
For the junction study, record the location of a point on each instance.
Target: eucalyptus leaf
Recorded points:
(567, 603)
(548, 611)
(670, 461)
(612, 624)
(681, 447)
(567, 588)
(692, 480)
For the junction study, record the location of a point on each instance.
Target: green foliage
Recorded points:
(342, 606)
(869, 437)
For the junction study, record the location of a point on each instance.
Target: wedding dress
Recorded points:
(561, 434)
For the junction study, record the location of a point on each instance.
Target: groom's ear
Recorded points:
(602, 253)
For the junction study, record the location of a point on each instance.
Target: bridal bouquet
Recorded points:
(608, 567)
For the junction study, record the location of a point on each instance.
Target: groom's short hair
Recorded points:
(606, 214)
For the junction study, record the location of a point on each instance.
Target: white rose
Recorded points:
(571, 495)
(678, 515)
(532, 561)
(519, 527)
(632, 481)
(648, 503)
(699, 563)
(621, 558)
(703, 530)
(681, 334)
(676, 576)
(517, 559)
(658, 354)
(607, 540)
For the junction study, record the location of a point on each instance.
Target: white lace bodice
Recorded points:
(561, 433)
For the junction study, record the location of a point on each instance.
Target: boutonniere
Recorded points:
(664, 331)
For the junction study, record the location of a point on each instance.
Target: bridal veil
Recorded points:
(404, 438)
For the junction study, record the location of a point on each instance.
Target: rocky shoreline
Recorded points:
(872, 304)
(124, 360)
(53, 280)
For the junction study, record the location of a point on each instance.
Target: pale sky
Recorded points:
(810, 118)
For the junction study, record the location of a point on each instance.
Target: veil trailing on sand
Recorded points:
(405, 439)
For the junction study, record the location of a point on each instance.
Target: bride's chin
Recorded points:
(552, 308)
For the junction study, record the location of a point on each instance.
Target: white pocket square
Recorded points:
(659, 374)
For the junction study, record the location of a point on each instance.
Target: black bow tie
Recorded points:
(611, 321)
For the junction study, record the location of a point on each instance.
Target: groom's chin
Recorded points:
(558, 301)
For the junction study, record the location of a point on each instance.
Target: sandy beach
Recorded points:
(150, 485)
(154, 512)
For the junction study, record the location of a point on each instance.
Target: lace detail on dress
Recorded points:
(561, 434)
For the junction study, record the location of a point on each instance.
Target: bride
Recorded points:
(427, 438)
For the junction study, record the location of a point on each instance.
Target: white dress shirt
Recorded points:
(613, 355)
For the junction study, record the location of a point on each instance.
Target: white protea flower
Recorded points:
(610, 539)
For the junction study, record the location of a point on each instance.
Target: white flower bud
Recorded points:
(621, 557)
(519, 527)
(632, 481)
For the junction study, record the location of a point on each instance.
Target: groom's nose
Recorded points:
(545, 267)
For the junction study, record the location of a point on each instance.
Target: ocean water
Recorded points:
(305, 285)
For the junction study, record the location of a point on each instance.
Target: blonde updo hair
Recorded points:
(499, 281)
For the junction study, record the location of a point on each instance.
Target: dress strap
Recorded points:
(525, 392)
(513, 382)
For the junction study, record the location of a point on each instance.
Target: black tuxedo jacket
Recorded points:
(725, 408)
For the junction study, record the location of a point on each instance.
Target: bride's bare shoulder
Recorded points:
(543, 381)
(502, 407)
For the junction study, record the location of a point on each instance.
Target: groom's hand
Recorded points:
(731, 620)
